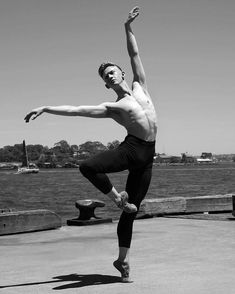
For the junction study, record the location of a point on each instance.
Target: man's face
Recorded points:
(112, 76)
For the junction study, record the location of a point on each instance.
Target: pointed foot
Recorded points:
(124, 269)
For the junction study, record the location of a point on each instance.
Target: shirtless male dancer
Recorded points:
(134, 110)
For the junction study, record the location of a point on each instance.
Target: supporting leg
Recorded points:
(122, 264)
(137, 186)
(123, 254)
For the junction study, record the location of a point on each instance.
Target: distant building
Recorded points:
(167, 159)
(187, 158)
(206, 157)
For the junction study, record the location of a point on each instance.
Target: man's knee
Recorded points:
(86, 169)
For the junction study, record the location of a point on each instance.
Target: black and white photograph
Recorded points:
(117, 146)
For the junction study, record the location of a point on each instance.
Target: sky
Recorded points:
(51, 49)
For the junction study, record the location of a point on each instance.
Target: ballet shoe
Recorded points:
(124, 269)
(125, 205)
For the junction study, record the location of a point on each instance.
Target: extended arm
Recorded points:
(133, 51)
(99, 111)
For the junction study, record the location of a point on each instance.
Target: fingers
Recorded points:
(133, 13)
(29, 115)
(136, 9)
(36, 115)
(33, 114)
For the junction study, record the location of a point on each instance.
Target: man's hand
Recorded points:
(35, 112)
(133, 14)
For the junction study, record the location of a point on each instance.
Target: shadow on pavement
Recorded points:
(86, 280)
(78, 281)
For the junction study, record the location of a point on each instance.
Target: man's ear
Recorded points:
(123, 75)
(107, 86)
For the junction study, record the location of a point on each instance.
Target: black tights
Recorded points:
(135, 155)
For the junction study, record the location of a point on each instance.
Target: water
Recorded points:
(58, 189)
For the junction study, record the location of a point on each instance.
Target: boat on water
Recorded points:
(8, 166)
(26, 167)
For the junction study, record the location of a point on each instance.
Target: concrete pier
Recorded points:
(185, 205)
(14, 222)
(168, 256)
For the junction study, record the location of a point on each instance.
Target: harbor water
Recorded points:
(58, 189)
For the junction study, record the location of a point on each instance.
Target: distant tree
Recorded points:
(74, 148)
(184, 158)
(17, 152)
(7, 154)
(62, 152)
(112, 145)
(34, 151)
(175, 159)
(1, 155)
(63, 145)
(41, 159)
(90, 148)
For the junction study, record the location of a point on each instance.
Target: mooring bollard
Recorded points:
(87, 213)
(87, 208)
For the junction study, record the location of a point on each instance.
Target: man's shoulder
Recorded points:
(139, 90)
(136, 84)
(119, 104)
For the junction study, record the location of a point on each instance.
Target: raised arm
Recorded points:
(133, 51)
(98, 111)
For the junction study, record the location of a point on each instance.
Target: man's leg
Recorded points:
(137, 186)
(95, 169)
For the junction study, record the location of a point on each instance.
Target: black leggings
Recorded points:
(135, 155)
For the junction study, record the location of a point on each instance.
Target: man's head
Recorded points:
(111, 73)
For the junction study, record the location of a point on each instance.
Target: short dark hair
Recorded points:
(104, 65)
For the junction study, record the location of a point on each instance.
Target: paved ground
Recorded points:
(207, 216)
(169, 256)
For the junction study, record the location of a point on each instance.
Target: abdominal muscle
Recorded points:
(143, 128)
(138, 119)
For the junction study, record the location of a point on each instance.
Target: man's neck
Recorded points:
(122, 90)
